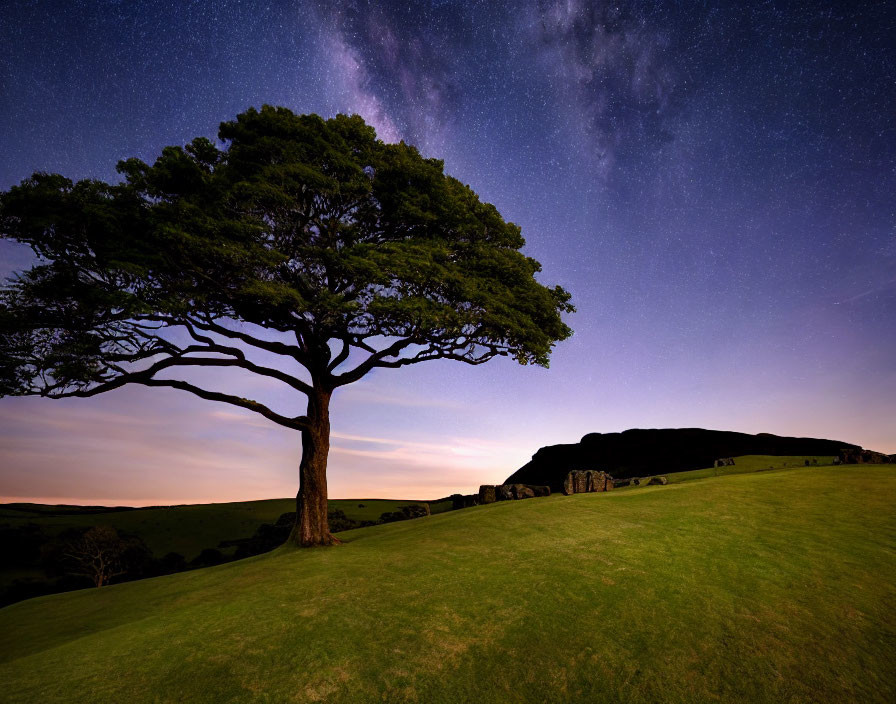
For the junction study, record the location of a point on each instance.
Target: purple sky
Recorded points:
(714, 186)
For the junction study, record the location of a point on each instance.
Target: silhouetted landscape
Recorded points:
(534, 352)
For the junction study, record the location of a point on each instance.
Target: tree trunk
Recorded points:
(311, 526)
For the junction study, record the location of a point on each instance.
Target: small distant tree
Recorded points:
(101, 554)
(304, 240)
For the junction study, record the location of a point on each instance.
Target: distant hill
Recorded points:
(640, 452)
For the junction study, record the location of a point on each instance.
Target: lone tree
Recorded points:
(299, 238)
(101, 554)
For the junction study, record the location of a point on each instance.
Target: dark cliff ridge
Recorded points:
(641, 452)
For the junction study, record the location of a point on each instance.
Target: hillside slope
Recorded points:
(641, 452)
(185, 529)
(769, 587)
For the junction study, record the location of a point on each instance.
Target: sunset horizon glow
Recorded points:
(714, 186)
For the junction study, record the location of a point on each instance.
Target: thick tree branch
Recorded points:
(296, 423)
(146, 378)
(371, 362)
(342, 356)
(208, 324)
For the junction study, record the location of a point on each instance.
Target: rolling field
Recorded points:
(186, 529)
(773, 586)
(750, 463)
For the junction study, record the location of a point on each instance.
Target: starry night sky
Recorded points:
(714, 185)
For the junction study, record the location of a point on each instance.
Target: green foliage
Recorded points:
(295, 224)
(766, 587)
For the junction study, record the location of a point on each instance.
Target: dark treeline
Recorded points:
(95, 556)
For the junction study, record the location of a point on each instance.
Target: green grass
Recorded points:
(750, 463)
(186, 529)
(766, 587)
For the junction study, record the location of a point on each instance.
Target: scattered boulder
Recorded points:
(593, 481)
(503, 493)
(404, 513)
(586, 481)
(521, 491)
(856, 455)
(657, 480)
(638, 452)
(487, 494)
(580, 482)
(459, 501)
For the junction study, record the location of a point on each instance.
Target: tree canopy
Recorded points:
(297, 236)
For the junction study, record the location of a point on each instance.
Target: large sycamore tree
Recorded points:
(301, 240)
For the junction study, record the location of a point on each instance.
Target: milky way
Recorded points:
(715, 185)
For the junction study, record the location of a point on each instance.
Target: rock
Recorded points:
(487, 494)
(593, 481)
(568, 485)
(850, 455)
(405, 513)
(503, 493)
(600, 481)
(521, 491)
(540, 490)
(580, 482)
(585, 481)
(658, 480)
(459, 501)
(636, 453)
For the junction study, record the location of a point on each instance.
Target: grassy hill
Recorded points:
(773, 586)
(751, 463)
(184, 529)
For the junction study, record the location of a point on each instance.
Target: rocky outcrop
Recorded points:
(657, 480)
(487, 494)
(503, 493)
(637, 453)
(724, 462)
(459, 501)
(586, 481)
(405, 513)
(856, 455)
(521, 491)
